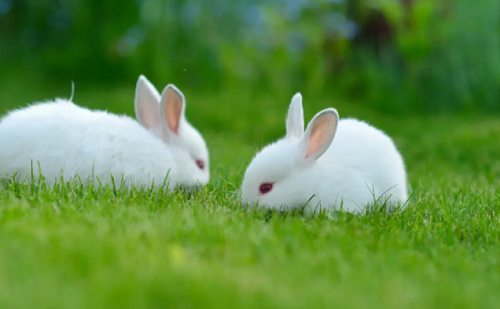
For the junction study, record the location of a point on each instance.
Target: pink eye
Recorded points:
(265, 188)
(200, 164)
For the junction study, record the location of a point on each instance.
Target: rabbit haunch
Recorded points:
(60, 138)
(333, 164)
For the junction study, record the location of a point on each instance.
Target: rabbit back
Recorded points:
(62, 139)
(361, 165)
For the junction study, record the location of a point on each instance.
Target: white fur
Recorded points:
(187, 144)
(71, 141)
(354, 165)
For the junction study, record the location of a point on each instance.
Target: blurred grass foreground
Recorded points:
(397, 56)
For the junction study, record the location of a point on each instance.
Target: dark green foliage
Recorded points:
(406, 56)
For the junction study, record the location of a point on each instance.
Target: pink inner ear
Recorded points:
(321, 134)
(173, 110)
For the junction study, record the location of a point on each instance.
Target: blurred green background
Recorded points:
(394, 56)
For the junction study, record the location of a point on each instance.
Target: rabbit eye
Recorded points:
(265, 188)
(200, 164)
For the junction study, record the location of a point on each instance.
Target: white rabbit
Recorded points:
(360, 166)
(63, 139)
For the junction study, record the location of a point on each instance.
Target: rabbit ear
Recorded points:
(295, 118)
(319, 134)
(172, 106)
(147, 99)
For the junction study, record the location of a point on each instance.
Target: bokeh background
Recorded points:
(396, 56)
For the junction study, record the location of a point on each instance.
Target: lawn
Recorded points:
(73, 247)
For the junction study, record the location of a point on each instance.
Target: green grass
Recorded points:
(79, 248)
